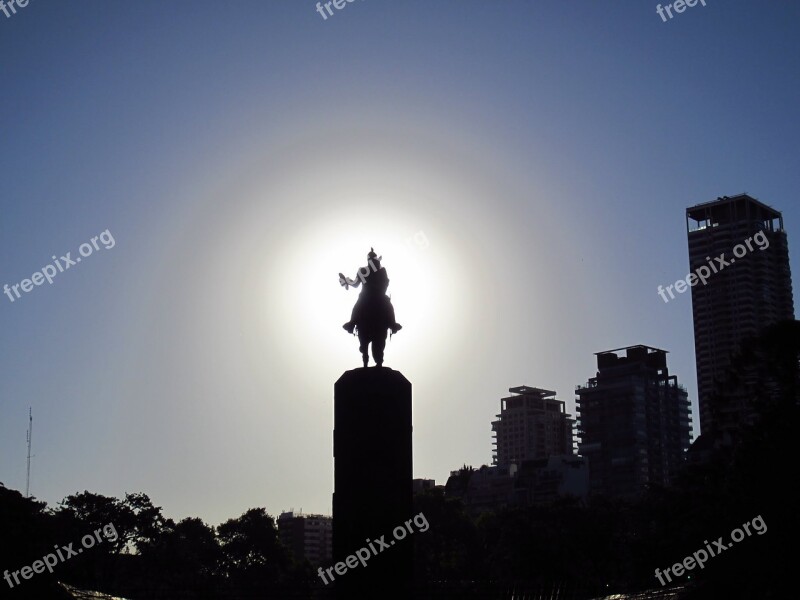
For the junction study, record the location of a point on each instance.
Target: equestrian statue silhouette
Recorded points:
(373, 313)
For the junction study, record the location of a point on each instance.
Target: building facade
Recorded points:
(420, 486)
(634, 422)
(307, 536)
(545, 480)
(531, 483)
(531, 425)
(739, 300)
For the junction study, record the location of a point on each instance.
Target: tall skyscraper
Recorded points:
(532, 424)
(634, 422)
(749, 288)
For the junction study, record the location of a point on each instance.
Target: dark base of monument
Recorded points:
(372, 483)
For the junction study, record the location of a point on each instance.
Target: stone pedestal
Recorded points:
(372, 482)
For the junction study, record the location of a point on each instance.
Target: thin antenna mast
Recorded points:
(30, 437)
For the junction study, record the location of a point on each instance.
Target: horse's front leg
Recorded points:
(378, 344)
(364, 347)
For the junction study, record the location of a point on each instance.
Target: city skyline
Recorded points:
(528, 168)
(491, 461)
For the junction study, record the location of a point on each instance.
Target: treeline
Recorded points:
(582, 550)
(147, 555)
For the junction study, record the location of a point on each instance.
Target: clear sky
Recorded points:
(522, 166)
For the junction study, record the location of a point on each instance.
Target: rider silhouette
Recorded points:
(376, 282)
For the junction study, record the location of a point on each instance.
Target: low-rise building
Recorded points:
(307, 536)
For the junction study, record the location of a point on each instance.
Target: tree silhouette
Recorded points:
(253, 558)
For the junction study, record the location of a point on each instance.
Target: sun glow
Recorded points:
(422, 280)
(389, 199)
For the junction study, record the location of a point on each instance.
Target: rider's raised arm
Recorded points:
(346, 282)
(355, 282)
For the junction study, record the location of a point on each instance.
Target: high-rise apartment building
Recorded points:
(634, 422)
(747, 289)
(532, 424)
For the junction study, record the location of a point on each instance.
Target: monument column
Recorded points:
(372, 482)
